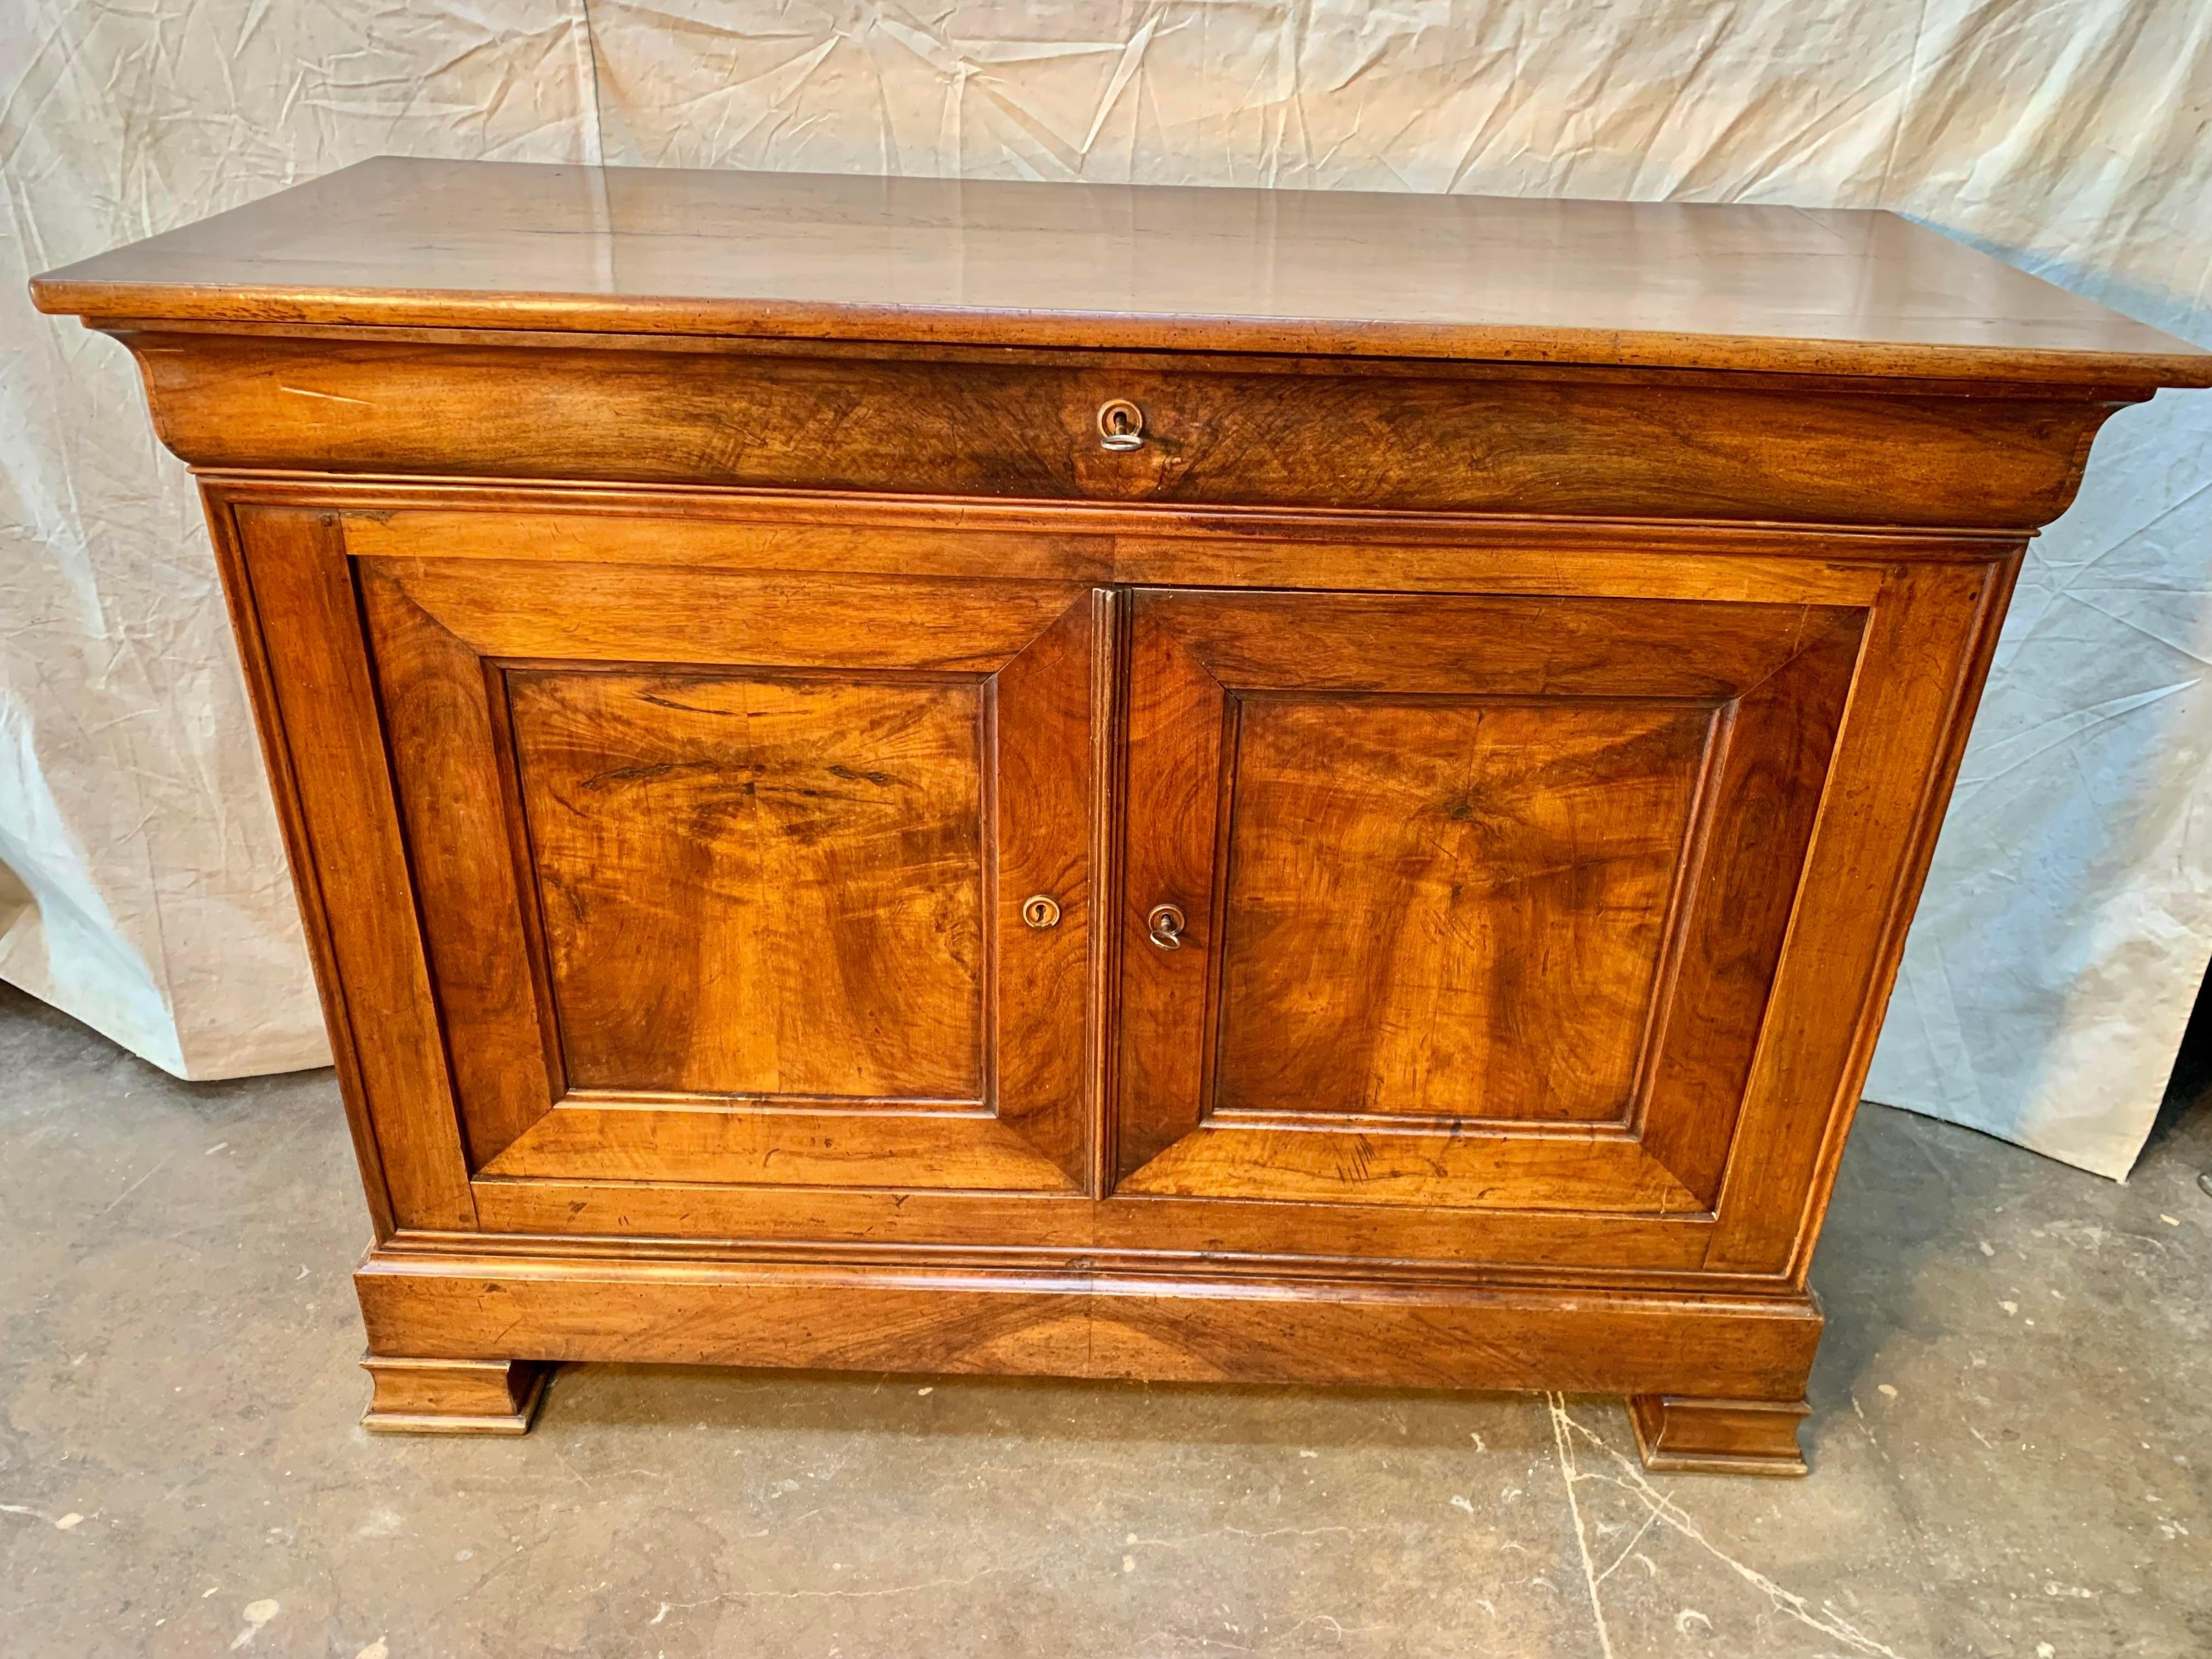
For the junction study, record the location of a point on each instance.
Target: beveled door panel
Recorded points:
(1476, 902)
(722, 876)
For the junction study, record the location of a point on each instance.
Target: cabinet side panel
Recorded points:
(325, 700)
(268, 726)
(1926, 653)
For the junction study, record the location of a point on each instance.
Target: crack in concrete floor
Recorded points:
(2007, 1440)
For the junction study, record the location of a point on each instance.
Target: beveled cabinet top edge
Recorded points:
(513, 246)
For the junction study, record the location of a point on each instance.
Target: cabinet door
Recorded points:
(1456, 901)
(744, 879)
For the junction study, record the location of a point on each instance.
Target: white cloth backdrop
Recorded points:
(2067, 920)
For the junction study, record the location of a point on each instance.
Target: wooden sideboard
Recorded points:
(1106, 781)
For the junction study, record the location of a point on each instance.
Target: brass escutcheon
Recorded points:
(1121, 424)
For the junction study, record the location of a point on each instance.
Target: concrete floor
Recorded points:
(2009, 1441)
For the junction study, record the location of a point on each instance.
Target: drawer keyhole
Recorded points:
(1121, 424)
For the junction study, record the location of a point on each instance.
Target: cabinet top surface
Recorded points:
(626, 250)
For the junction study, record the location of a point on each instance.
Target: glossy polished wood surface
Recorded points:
(453, 1397)
(988, 423)
(1453, 871)
(504, 245)
(1385, 866)
(772, 914)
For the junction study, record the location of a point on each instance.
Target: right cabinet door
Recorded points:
(1458, 901)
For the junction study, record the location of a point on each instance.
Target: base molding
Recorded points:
(453, 1397)
(1678, 1435)
(464, 1320)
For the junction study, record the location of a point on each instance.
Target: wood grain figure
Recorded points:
(1103, 780)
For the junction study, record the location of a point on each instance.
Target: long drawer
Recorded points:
(1119, 427)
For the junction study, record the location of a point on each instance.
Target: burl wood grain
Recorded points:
(1602, 1201)
(754, 915)
(1449, 908)
(1457, 870)
(761, 886)
(690, 617)
(1398, 437)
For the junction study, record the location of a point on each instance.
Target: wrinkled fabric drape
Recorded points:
(2068, 917)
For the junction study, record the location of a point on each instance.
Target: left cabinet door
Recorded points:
(714, 875)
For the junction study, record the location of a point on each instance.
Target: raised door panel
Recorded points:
(759, 887)
(1415, 887)
(723, 876)
(405, 807)
(1475, 902)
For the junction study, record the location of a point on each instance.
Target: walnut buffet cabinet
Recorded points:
(1115, 782)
